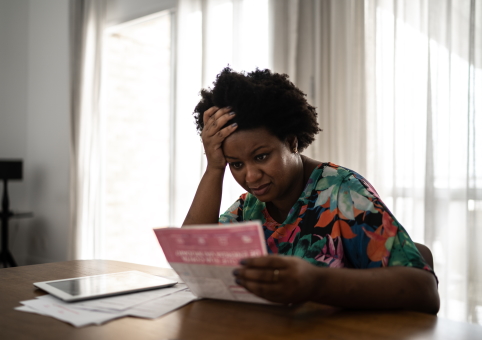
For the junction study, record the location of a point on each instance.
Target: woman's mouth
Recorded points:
(261, 190)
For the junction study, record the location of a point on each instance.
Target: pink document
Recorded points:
(204, 256)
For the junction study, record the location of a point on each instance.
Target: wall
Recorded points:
(13, 88)
(34, 123)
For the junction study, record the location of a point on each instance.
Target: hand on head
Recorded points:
(284, 279)
(213, 134)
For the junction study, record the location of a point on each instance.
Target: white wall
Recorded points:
(13, 87)
(34, 123)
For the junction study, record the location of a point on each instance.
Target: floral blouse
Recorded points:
(338, 221)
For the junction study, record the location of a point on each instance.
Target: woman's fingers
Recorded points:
(266, 283)
(271, 269)
(279, 291)
(266, 290)
(213, 113)
(216, 121)
(270, 261)
(217, 130)
(263, 269)
(277, 278)
(213, 134)
(208, 113)
(260, 275)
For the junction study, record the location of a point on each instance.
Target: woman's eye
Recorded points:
(261, 157)
(235, 165)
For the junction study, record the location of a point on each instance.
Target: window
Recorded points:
(136, 137)
(149, 180)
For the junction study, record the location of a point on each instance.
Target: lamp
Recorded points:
(10, 169)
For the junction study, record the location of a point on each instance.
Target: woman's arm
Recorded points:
(288, 279)
(206, 203)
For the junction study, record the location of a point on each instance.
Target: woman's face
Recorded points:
(265, 166)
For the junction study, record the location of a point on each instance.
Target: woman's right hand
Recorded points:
(213, 134)
(207, 201)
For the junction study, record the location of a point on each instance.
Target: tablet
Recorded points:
(91, 287)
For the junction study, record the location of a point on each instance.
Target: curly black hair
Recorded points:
(261, 99)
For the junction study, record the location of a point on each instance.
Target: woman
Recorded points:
(323, 215)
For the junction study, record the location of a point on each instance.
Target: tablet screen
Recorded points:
(108, 284)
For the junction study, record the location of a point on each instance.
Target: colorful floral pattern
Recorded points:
(338, 221)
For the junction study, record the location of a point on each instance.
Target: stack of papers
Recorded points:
(150, 304)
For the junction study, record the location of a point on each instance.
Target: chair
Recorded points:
(426, 253)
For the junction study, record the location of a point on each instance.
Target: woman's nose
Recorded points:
(253, 174)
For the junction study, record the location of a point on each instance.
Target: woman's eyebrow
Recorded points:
(259, 147)
(252, 152)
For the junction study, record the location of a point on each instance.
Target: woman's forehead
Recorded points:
(249, 141)
(260, 134)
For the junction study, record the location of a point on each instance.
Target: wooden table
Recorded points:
(210, 319)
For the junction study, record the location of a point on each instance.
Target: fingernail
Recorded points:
(234, 124)
(236, 272)
(232, 113)
(243, 262)
(238, 281)
(228, 107)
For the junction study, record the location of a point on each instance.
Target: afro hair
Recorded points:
(261, 99)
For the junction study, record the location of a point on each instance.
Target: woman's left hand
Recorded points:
(284, 279)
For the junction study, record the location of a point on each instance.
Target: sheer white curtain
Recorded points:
(211, 34)
(320, 45)
(88, 20)
(424, 66)
(398, 86)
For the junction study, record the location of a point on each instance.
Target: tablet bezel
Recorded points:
(44, 285)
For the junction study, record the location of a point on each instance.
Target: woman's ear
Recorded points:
(293, 143)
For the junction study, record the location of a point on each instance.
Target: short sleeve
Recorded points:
(377, 239)
(234, 213)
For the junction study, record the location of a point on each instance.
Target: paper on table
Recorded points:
(28, 309)
(81, 316)
(61, 310)
(123, 302)
(155, 308)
